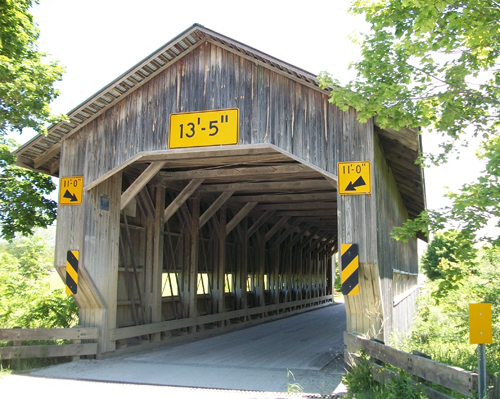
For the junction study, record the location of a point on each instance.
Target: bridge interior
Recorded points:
(241, 230)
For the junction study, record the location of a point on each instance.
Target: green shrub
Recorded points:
(441, 326)
(361, 384)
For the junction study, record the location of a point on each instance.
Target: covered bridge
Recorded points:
(171, 240)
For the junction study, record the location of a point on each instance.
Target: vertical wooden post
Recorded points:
(193, 265)
(244, 263)
(275, 272)
(157, 272)
(149, 278)
(216, 292)
(185, 271)
(222, 262)
(99, 258)
(261, 268)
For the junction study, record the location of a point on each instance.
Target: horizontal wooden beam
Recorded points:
(239, 216)
(140, 182)
(48, 334)
(318, 213)
(47, 155)
(181, 199)
(215, 207)
(266, 171)
(310, 206)
(269, 186)
(327, 196)
(43, 351)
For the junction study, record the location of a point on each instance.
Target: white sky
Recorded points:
(97, 40)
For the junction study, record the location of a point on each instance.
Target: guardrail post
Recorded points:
(16, 362)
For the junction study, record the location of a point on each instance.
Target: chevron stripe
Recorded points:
(72, 272)
(350, 267)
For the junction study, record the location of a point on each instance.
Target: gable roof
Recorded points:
(42, 152)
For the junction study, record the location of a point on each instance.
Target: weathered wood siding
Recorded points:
(398, 261)
(85, 228)
(357, 220)
(273, 109)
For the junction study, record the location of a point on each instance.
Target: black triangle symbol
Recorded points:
(72, 197)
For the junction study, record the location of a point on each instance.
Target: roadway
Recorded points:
(258, 358)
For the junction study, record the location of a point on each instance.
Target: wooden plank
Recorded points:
(241, 172)
(260, 221)
(158, 251)
(136, 331)
(383, 375)
(239, 216)
(283, 198)
(181, 199)
(193, 264)
(47, 155)
(42, 351)
(271, 186)
(140, 182)
(454, 378)
(47, 334)
(316, 213)
(221, 306)
(221, 200)
(147, 203)
(313, 205)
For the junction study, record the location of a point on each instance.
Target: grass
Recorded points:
(361, 384)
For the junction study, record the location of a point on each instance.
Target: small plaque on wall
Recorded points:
(104, 202)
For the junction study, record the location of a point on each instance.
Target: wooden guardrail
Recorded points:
(454, 378)
(16, 336)
(153, 328)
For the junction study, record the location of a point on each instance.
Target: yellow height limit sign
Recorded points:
(205, 128)
(71, 190)
(354, 178)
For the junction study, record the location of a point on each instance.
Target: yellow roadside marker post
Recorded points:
(481, 332)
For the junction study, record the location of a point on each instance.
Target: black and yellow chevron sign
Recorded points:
(350, 267)
(72, 272)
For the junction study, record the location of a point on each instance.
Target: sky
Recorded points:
(98, 40)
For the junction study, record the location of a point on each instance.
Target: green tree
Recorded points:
(434, 64)
(446, 248)
(26, 89)
(27, 300)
